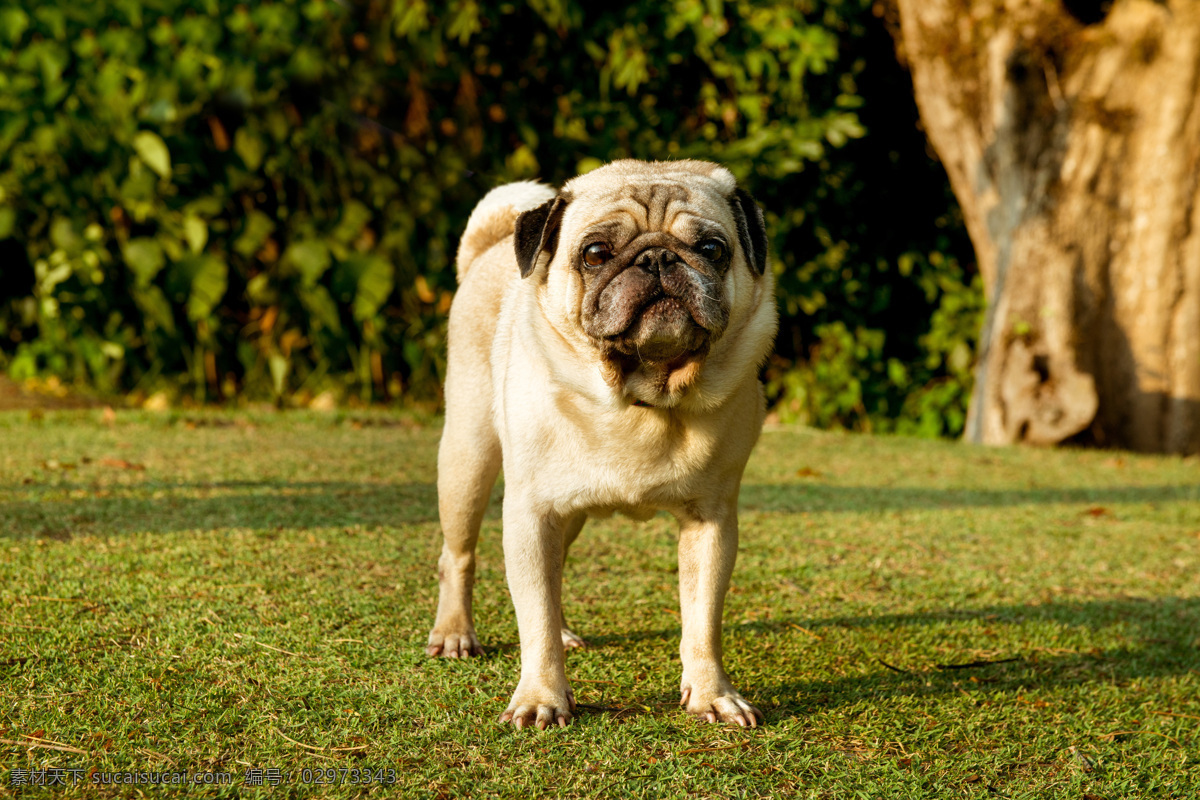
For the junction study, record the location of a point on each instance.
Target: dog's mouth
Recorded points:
(662, 331)
(654, 306)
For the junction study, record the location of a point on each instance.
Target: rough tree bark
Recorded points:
(1071, 135)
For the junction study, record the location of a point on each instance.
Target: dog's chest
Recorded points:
(633, 463)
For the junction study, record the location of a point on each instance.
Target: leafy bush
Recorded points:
(183, 199)
(264, 199)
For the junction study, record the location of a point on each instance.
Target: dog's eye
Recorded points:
(596, 254)
(711, 249)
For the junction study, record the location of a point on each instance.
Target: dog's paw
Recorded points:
(545, 708)
(453, 643)
(720, 704)
(571, 640)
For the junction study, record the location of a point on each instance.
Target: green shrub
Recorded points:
(184, 199)
(264, 199)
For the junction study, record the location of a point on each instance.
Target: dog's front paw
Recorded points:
(453, 642)
(541, 707)
(719, 703)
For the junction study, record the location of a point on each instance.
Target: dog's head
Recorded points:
(651, 262)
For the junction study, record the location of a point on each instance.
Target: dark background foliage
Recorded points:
(263, 201)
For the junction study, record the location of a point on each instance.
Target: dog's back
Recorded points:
(487, 265)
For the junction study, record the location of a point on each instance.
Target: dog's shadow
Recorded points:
(1154, 628)
(155, 505)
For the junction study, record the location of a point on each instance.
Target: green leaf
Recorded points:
(49, 277)
(464, 22)
(154, 305)
(13, 23)
(153, 151)
(523, 163)
(309, 259)
(257, 228)
(306, 64)
(11, 130)
(588, 164)
(250, 147)
(320, 304)
(410, 18)
(195, 231)
(53, 19)
(200, 281)
(279, 370)
(367, 281)
(64, 236)
(144, 257)
(8, 220)
(355, 217)
(53, 59)
(260, 291)
(160, 111)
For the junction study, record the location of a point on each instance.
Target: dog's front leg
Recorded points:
(707, 551)
(533, 558)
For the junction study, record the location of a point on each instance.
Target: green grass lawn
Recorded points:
(917, 619)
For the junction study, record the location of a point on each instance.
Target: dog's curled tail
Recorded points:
(494, 217)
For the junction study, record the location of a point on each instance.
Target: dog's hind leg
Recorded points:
(468, 462)
(570, 533)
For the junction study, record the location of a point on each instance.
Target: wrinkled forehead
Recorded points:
(683, 204)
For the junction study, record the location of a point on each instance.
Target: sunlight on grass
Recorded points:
(917, 619)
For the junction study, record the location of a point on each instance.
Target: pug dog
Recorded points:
(604, 348)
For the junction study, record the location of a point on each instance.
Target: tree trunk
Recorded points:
(1071, 135)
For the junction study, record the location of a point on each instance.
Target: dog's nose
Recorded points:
(656, 260)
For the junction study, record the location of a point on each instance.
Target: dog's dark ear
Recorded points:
(752, 231)
(537, 230)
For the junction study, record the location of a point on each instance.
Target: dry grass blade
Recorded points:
(803, 629)
(155, 754)
(300, 744)
(46, 599)
(44, 744)
(694, 750)
(43, 739)
(279, 649)
(1176, 715)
